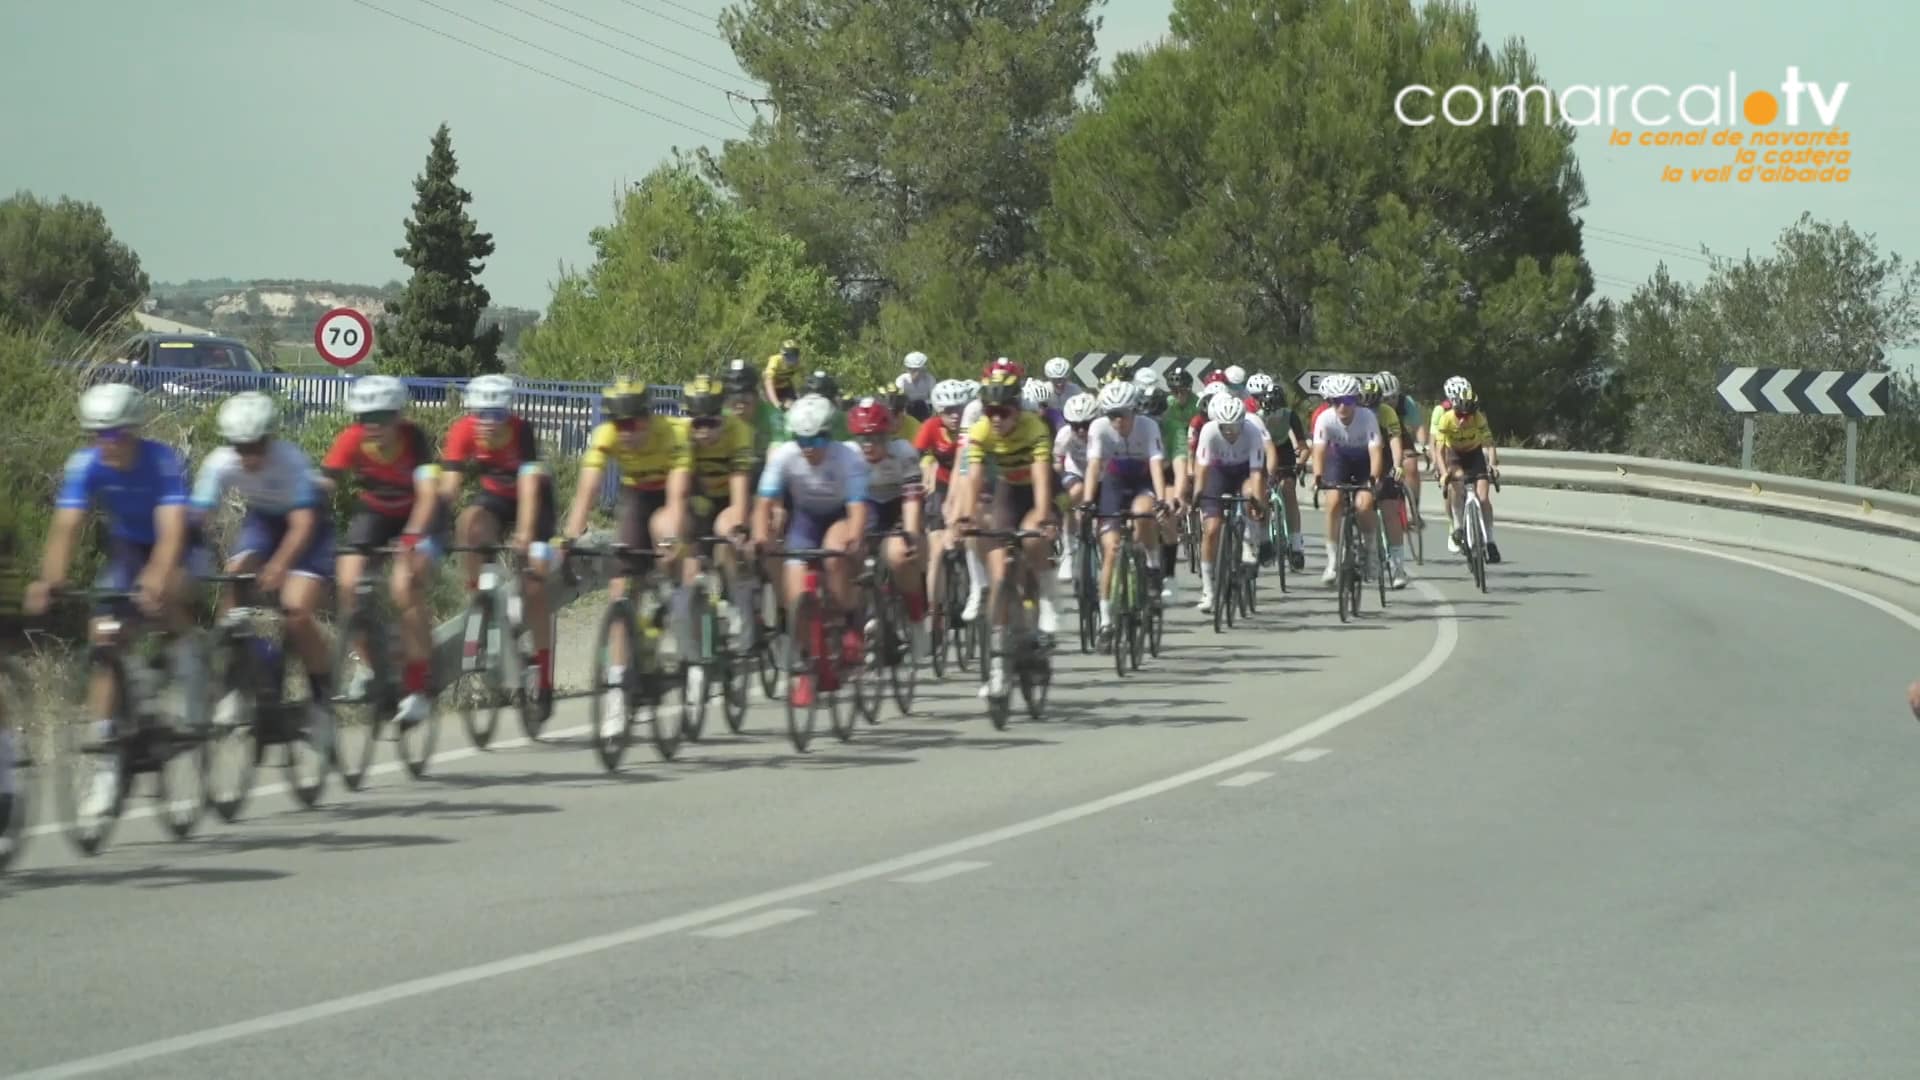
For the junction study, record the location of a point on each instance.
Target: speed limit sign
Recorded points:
(343, 337)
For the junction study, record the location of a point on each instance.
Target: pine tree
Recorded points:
(435, 329)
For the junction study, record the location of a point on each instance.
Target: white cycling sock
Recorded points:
(976, 569)
(1206, 576)
(1333, 552)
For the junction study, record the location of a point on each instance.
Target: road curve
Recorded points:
(1614, 818)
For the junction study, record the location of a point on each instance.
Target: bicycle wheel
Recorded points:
(1148, 602)
(844, 716)
(1007, 596)
(16, 701)
(665, 720)
(359, 719)
(83, 755)
(1223, 578)
(697, 669)
(611, 735)
(1416, 535)
(300, 726)
(478, 689)
(1086, 592)
(1282, 538)
(736, 660)
(903, 667)
(1033, 668)
(1124, 594)
(866, 675)
(1477, 543)
(1381, 570)
(803, 669)
(523, 674)
(1344, 567)
(237, 685)
(417, 743)
(179, 759)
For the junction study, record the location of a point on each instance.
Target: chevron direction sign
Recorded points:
(1852, 394)
(1090, 366)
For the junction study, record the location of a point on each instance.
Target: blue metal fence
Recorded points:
(563, 413)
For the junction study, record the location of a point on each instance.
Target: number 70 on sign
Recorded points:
(343, 337)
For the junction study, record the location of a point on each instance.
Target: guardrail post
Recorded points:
(1746, 444)
(1853, 447)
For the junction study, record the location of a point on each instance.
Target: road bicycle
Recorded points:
(1023, 653)
(366, 703)
(718, 655)
(1349, 576)
(1086, 583)
(264, 712)
(146, 736)
(889, 633)
(639, 617)
(1234, 579)
(816, 658)
(1412, 525)
(16, 705)
(497, 668)
(949, 632)
(1135, 607)
(1473, 522)
(1279, 533)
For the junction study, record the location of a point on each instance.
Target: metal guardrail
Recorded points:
(1868, 509)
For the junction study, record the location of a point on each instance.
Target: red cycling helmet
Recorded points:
(869, 418)
(1214, 376)
(1003, 366)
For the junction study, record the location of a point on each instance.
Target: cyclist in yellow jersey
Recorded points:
(1021, 445)
(1463, 448)
(1372, 390)
(655, 464)
(721, 446)
(783, 368)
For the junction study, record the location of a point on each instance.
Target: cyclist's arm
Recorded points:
(58, 553)
(426, 499)
(1095, 461)
(527, 506)
(858, 508)
(1493, 452)
(584, 487)
(456, 458)
(170, 515)
(773, 478)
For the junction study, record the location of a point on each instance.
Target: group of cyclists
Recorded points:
(759, 456)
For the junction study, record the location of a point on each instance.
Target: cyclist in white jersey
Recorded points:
(286, 532)
(894, 494)
(1230, 457)
(1070, 461)
(1347, 449)
(1125, 472)
(916, 382)
(823, 484)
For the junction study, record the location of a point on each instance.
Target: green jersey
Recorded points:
(1175, 423)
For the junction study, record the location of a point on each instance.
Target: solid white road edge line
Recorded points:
(1872, 601)
(1446, 637)
(751, 923)
(1245, 779)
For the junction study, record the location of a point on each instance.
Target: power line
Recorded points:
(1645, 239)
(610, 45)
(676, 22)
(562, 56)
(1703, 260)
(537, 71)
(688, 10)
(648, 43)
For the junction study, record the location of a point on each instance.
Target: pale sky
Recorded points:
(274, 138)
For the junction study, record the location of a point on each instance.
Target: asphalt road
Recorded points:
(1636, 812)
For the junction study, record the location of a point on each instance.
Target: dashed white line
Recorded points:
(1245, 778)
(1311, 753)
(941, 873)
(748, 925)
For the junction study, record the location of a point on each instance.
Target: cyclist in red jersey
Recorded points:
(516, 493)
(391, 462)
(939, 444)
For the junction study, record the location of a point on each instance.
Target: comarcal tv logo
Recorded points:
(1791, 135)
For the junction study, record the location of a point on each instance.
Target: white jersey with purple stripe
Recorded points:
(895, 475)
(826, 488)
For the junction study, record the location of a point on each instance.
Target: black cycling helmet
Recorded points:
(1156, 401)
(824, 384)
(740, 378)
(1274, 401)
(701, 397)
(1179, 378)
(999, 391)
(628, 399)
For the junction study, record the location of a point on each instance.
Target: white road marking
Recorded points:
(1446, 637)
(1866, 598)
(1311, 753)
(1245, 778)
(941, 873)
(754, 922)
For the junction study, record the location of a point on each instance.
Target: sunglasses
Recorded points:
(1348, 400)
(812, 442)
(706, 423)
(108, 434)
(250, 449)
(380, 418)
(1081, 429)
(490, 416)
(1000, 412)
(878, 439)
(629, 423)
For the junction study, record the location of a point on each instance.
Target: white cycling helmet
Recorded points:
(1225, 410)
(950, 394)
(809, 416)
(1259, 383)
(973, 388)
(915, 361)
(111, 405)
(1339, 385)
(1147, 379)
(1237, 375)
(247, 417)
(1037, 394)
(1058, 368)
(489, 392)
(1081, 408)
(376, 393)
(1119, 397)
(1207, 390)
(1457, 388)
(1389, 385)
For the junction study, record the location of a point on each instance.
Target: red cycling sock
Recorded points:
(415, 676)
(543, 660)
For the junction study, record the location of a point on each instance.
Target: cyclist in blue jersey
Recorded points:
(286, 533)
(140, 487)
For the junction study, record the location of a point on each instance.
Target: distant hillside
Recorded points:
(288, 307)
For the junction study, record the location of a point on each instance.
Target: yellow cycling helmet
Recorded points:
(702, 396)
(627, 399)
